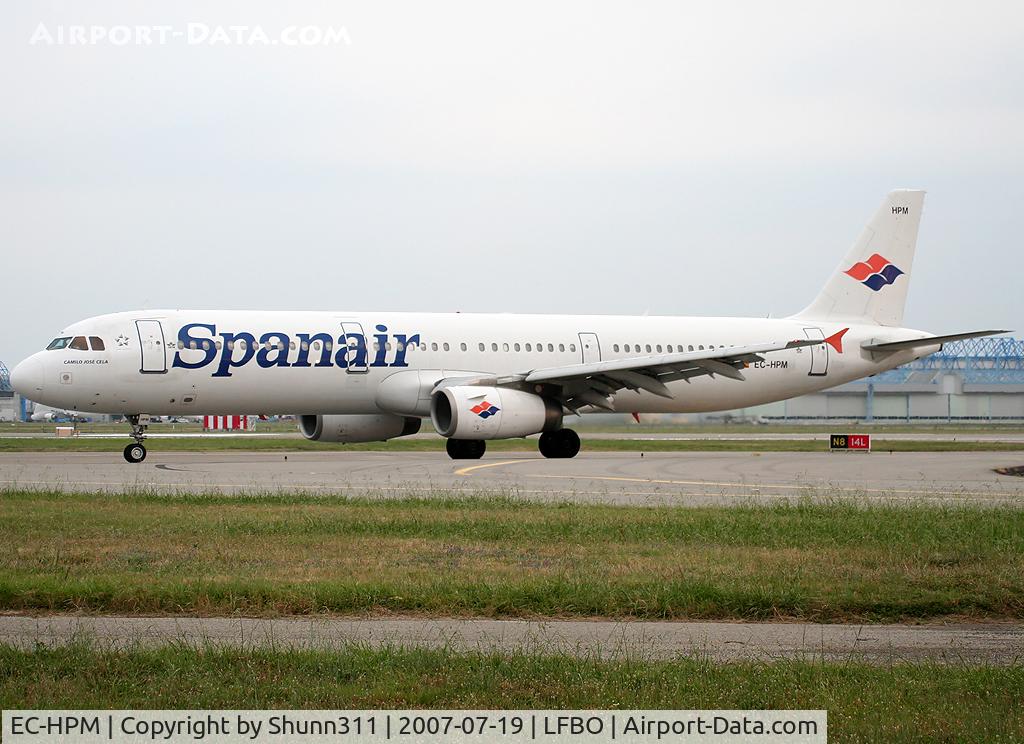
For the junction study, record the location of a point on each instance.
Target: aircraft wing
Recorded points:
(592, 384)
(927, 341)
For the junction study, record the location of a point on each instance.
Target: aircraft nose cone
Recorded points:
(27, 377)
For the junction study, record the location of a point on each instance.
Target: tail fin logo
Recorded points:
(875, 273)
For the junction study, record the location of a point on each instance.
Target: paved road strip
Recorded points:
(988, 643)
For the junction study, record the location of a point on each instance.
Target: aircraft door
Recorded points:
(153, 346)
(819, 353)
(590, 347)
(356, 352)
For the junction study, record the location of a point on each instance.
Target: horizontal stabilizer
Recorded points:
(928, 341)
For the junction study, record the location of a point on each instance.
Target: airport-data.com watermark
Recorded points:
(189, 34)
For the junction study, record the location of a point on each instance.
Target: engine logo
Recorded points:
(485, 409)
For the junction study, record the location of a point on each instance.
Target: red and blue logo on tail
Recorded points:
(875, 273)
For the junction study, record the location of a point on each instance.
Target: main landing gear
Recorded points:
(560, 443)
(135, 453)
(466, 449)
(557, 444)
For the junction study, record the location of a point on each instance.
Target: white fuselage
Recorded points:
(220, 362)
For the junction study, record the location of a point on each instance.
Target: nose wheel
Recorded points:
(135, 453)
(559, 443)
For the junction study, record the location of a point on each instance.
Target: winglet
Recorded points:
(836, 340)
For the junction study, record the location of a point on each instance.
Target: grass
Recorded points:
(282, 554)
(900, 703)
(296, 444)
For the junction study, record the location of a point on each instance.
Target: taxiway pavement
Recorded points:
(682, 478)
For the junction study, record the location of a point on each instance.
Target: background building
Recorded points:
(12, 406)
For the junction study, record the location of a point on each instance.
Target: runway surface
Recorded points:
(973, 644)
(690, 478)
(686, 478)
(632, 436)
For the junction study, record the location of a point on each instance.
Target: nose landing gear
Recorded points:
(135, 453)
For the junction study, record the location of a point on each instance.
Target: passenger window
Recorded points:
(399, 346)
(504, 346)
(481, 346)
(529, 347)
(561, 347)
(97, 343)
(494, 346)
(433, 347)
(648, 348)
(517, 347)
(659, 348)
(218, 344)
(79, 344)
(690, 347)
(551, 347)
(701, 347)
(446, 347)
(463, 345)
(572, 347)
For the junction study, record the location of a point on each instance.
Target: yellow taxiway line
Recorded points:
(471, 468)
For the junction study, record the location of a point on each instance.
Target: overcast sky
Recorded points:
(577, 157)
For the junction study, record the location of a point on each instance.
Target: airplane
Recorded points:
(372, 376)
(45, 413)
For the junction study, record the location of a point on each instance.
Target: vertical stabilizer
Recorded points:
(870, 285)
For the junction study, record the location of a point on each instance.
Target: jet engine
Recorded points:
(471, 412)
(357, 427)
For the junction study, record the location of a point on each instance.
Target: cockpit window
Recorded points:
(97, 343)
(79, 344)
(59, 343)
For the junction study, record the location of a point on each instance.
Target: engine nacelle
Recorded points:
(357, 427)
(471, 412)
